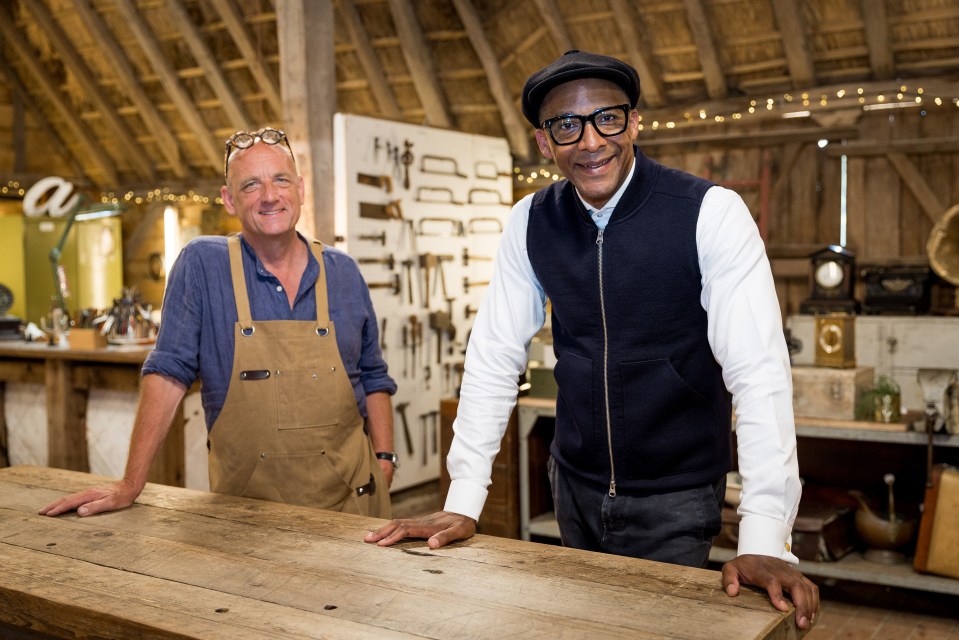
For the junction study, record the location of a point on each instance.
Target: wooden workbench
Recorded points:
(68, 375)
(189, 564)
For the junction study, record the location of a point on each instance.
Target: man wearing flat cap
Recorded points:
(664, 318)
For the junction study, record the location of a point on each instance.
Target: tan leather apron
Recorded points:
(290, 430)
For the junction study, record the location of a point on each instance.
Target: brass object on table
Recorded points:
(885, 533)
(836, 340)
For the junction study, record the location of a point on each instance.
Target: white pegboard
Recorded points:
(446, 195)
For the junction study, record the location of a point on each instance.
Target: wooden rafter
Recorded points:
(368, 59)
(713, 75)
(876, 22)
(168, 78)
(553, 20)
(519, 141)
(793, 31)
(51, 91)
(36, 113)
(240, 33)
(129, 85)
(75, 64)
(420, 62)
(231, 105)
(650, 79)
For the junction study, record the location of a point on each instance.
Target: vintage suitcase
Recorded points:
(823, 392)
(822, 532)
(937, 550)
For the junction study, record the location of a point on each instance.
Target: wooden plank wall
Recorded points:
(885, 220)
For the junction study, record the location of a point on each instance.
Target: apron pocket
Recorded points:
(309, 479)
(305, 398)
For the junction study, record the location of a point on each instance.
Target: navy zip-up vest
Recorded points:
(669, 409)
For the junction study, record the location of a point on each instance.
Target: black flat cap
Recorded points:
(574, 65)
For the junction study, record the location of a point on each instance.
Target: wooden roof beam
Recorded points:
(553, 20)
(75, 64)
(184, 104)
(375, 75)
(93, 151)
(650, 79)
(516, 133)
(130, 86)
(706, 47)
(59, 147)
(420, 62)
(877, 38)
(793, 30)
(231, 105)
(240, 33)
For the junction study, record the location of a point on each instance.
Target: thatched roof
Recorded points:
(136, 93)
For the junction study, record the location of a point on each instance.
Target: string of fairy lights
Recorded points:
(789, 105)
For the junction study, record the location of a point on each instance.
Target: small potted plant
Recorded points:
(881, 403)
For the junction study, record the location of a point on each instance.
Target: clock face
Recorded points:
(829, 274)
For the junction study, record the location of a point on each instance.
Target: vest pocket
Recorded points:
(669, 427)
(574, 414)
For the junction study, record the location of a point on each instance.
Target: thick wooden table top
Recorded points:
(190, 564)
(122, 354)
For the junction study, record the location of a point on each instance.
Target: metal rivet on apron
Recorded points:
(332, 368)
(262, 455)
(314, 376)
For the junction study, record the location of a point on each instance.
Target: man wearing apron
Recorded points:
(282, 335)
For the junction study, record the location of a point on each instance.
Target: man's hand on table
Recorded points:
(440, 528)
(775, 576)
(118, 495)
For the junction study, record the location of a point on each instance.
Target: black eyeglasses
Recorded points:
(568, 128)
(246, 139)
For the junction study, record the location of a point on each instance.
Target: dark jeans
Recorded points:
(676, 527)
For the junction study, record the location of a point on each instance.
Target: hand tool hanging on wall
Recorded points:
(434, 429)
(424, 425)
(440, 165)
(383, 336)
(382, 182)
(416, 337)
(387, 260)
(467, 284)
(423, 226)
(406, 346)
(376, 149)
(467, 257)
(421, 191)
(388, 211)
(407, 160)
(489, 170)
(441, 323)
(498, 201)
(469, 311)
(401, 410)
(397, 163)
(374, 237)
(477, 224)
(408, 276)
(393, 284)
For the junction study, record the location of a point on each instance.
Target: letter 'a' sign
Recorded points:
(57, 205)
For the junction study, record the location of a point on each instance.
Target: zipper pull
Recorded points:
(599, 237)
(612, 488)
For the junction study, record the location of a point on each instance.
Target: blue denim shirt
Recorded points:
(199, 313)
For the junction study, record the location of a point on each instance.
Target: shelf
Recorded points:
(870, 435)
(854, 568)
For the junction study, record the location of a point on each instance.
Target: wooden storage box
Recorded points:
(86, 339)
(938, 548)
(822, 392)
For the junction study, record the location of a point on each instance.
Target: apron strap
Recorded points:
(240, 296)
(322, 303)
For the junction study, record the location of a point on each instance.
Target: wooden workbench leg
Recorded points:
(4, 458)
(66, 418)
(169, 467)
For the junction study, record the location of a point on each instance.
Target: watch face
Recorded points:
(829, 275)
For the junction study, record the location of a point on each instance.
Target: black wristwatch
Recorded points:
(389, 455)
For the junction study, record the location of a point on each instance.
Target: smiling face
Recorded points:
(596, 166)
(264, 192)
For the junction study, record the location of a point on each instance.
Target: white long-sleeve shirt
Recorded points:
(745, 335)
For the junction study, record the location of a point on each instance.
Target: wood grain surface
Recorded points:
(190, 564)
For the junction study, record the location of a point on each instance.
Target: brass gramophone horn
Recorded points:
(943, 246)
